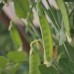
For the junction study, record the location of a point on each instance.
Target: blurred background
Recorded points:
(7, 14)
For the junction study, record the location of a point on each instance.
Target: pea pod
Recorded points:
(46, 33)
(64, 12)
(34, 61)
(15, 35)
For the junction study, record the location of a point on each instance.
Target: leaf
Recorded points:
(52, 70)
(21, 8)
(46, 34)
(15, 35)
(70, 50)
(3, 62)
(57, 16)
(45, 70)
(61, 52)
(66, 51)
(16, 56)
(67, 66)
(11, 68)
(14, 69)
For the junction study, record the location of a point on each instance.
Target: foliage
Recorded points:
(51, 48)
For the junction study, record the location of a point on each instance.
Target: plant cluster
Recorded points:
(51, 43)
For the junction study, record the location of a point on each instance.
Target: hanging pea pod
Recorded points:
(64, 12)
(46, 33)
(15, 35)
(34, 60)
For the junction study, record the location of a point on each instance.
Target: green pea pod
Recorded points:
(64, 12)
(15, 35)
(34, 61)
(46, 33)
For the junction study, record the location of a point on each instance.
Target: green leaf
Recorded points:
(47, 70)
(66, 51)
(16, 56)
(70, 50)
(67, 66)
(61, 52)
(21, 8)
(3, 62)
(43, 69)
(14, 69)
(57, 16)
(11, 68)
(52, 70)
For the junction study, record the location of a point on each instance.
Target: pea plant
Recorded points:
(51, 43)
